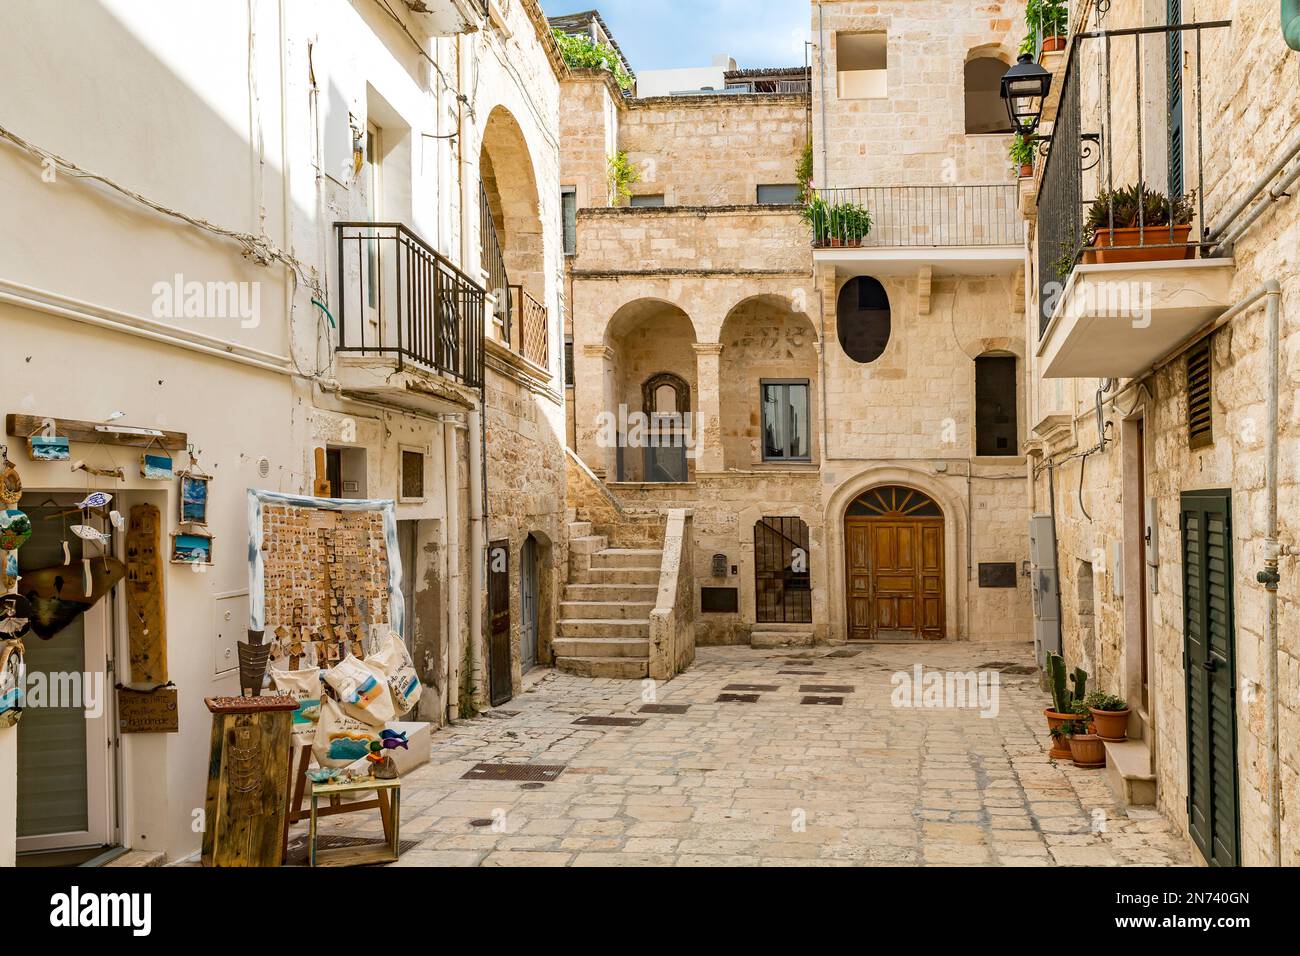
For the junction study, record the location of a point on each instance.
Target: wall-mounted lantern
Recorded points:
(1024, 88)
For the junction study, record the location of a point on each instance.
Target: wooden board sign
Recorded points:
(148, 712)
(145, 624)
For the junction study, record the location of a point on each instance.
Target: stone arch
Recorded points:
(509, 180)
(981, 77)
(956, 521)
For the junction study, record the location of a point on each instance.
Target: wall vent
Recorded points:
(1200, 394)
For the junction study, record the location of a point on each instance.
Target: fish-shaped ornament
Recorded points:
(96, 499)
(392, 739)
(88, 533)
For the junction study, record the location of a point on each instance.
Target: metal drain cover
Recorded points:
(825, 688)
(610, 721)
(844, 653)
(752, 687)
(804, 673)
(664, 708)
(822, 700)
(737, 699)
(513, 771)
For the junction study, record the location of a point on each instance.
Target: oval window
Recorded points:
(862, 316)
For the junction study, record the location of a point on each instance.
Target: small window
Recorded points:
(412, 475)
(785, 420)
(861, 61)
(862, 319)
(1200, 396)
(655, 199)
(719, 600)
(785, 194)
(995, 405)
(569, 208)
(782, 583)
(568, 360)
(985, 111)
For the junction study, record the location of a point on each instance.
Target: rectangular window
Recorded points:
(784, 194)
(568, 360)
(785, 419)
(719, 600)
(412, 475)
(569, 208)
(655, 199)
(995, 405)
(861, 66)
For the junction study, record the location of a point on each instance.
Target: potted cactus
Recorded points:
(1110, 716)
(1062, 715)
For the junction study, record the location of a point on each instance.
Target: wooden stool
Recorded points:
(298, 793)
(390, 813)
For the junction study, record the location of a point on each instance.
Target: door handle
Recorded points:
(1210, 665)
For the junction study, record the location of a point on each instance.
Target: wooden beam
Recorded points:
(24, 426)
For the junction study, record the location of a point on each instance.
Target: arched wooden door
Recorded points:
(893, 541)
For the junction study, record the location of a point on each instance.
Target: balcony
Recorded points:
(968, 229)
(1124, 281)
(410, 324)
(440, 18)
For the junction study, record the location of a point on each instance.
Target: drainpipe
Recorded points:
(821, 79)
(1221, 224)
(451, 551)
(477, 559)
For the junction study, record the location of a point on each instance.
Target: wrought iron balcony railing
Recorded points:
(1124, 174)
(399, 296)
(901, 216)
(526, 327)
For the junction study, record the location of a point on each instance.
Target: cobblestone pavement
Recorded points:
(775, 782)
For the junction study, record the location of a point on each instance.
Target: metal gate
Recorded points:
(499, 621)
(528, 605)
(782, 584)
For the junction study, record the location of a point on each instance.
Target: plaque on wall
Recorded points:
(998, 575)
(148, 712)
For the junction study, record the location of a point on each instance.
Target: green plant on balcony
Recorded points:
(1131, 218)
(1022, 150)
(1048, 21)
(836, 224)
(622, 177)
(581, 52)
(803, 172)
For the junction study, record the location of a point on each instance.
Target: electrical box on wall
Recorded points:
(1044, 586)
(719, 565)
(230, 624)
(1151, 540)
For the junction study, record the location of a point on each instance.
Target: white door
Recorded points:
(65, 772)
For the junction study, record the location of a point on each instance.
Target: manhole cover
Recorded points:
(737, 699)
(481, 822)
(822, 700)
(531, 786)
(610, 721)
(752, 687)
(825, 688)
(513, 771)
(664, 708)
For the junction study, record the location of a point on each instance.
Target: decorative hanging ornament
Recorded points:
(15, 528)
(11, 484)
(15, 616)
(87, 533)
(13, 681)
(96, 499)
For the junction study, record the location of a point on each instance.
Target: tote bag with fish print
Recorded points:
(403, 683)
(362, 689)
(303, 685)
(340, 738)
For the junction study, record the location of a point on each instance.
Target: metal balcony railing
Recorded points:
(399, 296)
(901, 216)
(526, 327)
(1123, 101)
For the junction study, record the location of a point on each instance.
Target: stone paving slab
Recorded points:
(874, 781)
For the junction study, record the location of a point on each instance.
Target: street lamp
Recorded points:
(1024, 88)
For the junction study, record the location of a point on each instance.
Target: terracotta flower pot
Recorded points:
(1105, 239)
(1060, 745)
(1026, 170)
(1053, 44)
(1111, 725)
(1088, 751)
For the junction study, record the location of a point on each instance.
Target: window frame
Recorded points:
(565, 193)
(763, 384)
(758, 194)
(634, 204)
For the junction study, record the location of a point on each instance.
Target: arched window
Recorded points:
(894, 501)
(995, 405)
(666, 402)
(782, 584)
(985, 111)
(863, 319)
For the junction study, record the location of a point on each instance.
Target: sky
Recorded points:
(666, 34)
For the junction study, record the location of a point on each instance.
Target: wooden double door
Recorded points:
(895, 563)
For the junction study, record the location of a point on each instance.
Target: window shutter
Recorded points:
(1200, 396)
(1175, 50)
(1208, 632)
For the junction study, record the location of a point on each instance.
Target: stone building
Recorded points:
(842, 418)
(375, 179)
(1164, 435)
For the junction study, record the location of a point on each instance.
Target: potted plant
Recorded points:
(1050, 21)
(816, 212)
(1062, 713)
(1021, 151)
(1110, 715)
(1114, 218)
(1086, 749)
(850, 222)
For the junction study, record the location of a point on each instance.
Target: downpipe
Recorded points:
(451, 675)
(477, 557)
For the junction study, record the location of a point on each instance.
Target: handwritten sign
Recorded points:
(154, 712)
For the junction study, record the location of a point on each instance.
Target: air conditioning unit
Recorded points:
(441, 18)
(1045, 587)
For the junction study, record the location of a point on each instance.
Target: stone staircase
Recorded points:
(604, 623)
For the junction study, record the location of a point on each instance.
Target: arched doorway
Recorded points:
(894, 563)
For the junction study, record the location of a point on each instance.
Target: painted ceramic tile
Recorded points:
(156, 467)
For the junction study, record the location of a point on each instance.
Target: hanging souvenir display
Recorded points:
(58, 597)
(96, 499)
(145, 622)
(41, 448)
(156, 466)
(15, 528)
(9, 572)
(15, 616)
(11, 485)
(191, 548)
(13, 681)
(193, 497)
(87, 533)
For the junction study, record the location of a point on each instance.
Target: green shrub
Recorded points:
(1156, 210)
(582, 52)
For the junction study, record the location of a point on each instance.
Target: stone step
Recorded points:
(627, 558)
(580, 529)
(604, 627)
(583, 610)
(639, 593)
(588, 544)
(619, 668)
(760, 639)
(1128, 771)
(601, 647)
(614, 576)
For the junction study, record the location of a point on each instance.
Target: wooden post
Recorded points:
(321, 487)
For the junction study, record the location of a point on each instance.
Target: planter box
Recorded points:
(1103, 244)
(1053, 44)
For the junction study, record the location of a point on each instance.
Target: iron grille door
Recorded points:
(1209, 664)
(499, 621)
(782, 584)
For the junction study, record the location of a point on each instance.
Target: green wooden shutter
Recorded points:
(1209, 665)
